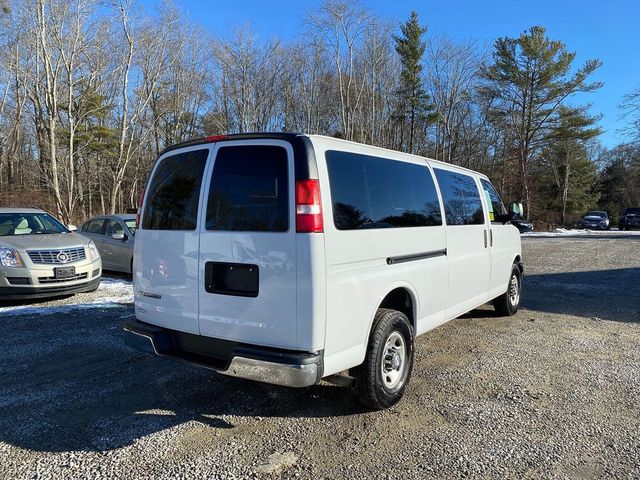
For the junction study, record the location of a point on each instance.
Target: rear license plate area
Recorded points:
(239, 279)
(64, 272)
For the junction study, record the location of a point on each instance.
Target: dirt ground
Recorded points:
(553, 392)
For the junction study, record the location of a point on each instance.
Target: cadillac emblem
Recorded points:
(62, 257)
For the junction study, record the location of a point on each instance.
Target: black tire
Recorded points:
(370, 388)
(508, 303)
(130, 276)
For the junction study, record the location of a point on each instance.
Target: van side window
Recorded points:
(249, 190)
(494, 202)
(174, 193)
(374, 192)
(461, 198)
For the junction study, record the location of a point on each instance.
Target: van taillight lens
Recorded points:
(308, 207)
(139, 209)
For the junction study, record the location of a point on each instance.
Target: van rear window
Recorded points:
(375, 192)
(249, 190)
(172, 200)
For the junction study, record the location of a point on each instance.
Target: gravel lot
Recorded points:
(553, 392)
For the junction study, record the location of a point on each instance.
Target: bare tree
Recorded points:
(150, 41)
(630, 107)
(342, 25)
(452, 78)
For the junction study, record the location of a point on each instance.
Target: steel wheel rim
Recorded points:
(514, 290)
(394, 361)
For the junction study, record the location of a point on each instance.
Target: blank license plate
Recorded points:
(65, 272)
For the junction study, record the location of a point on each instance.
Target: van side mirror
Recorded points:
(516, 211)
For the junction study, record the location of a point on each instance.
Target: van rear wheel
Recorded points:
(508, 303)
(381, 380)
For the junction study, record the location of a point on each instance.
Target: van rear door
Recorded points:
(166, 275)
(247, 289)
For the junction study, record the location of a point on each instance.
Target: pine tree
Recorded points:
(528, 82)
(575, 173)
(414, 103)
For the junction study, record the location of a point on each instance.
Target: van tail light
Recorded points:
(139, 209)
(308, 207)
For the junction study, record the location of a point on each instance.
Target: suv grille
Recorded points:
(52, 256)
(80, 276)
(19, 280)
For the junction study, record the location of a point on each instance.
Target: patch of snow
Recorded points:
(112, 292)
(564, 232)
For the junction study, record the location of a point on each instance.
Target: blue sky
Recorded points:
(607, 30)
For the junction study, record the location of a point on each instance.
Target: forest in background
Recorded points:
(92, 90)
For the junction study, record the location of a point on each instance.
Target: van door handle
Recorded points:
(485, 239)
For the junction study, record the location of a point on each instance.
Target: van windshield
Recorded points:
(12, 224)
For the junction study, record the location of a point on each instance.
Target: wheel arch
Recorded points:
(402, 297)
(518, 261)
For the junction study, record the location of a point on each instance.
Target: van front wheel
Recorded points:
(507, 304)
(382, 379)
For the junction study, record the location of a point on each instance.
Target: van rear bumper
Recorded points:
(263, 364)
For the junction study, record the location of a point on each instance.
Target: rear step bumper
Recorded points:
(262, 364)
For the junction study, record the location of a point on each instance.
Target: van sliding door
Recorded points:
(468, 250)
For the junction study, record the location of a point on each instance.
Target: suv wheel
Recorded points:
(382, 379)
(508, 303)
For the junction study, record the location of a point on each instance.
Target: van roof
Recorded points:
(396, 152)
(295, 135)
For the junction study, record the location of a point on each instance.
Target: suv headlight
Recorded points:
(10, 258)
(93, 251)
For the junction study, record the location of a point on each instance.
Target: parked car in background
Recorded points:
(289, 258)
(630, 219)
(522, 225)
(40, 257)
(594, 221)
(114, 236)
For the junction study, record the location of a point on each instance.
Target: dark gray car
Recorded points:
(114, 236)
(594, 221)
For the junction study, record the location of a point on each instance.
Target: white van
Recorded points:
(289, 258)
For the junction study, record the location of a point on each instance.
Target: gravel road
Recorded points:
(553, 392)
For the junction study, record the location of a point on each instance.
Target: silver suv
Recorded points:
(40, 257)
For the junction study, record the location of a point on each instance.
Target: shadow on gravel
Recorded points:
(82, 389)
(604, 294)
(31, 301)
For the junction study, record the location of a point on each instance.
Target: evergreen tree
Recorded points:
(575, 177)
(527, 83)
(414, 103)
